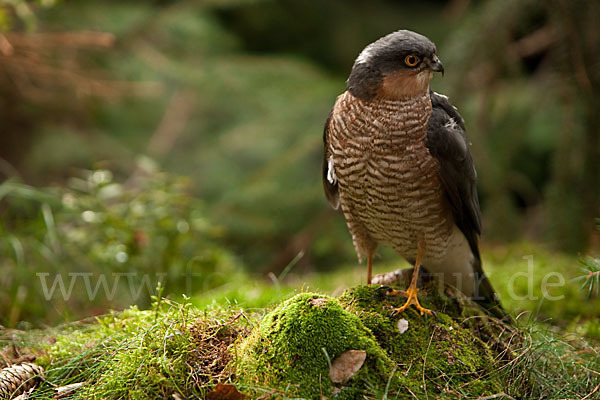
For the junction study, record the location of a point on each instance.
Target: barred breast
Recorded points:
(389, 185)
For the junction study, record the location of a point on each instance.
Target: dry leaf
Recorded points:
(68, 390)
(346, 365)
(225, 392)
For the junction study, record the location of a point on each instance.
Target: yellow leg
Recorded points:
(369, 268)
(411, 292)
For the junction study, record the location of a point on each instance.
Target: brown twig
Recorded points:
(173, 123)
(588, 396)
(534, 43)
(425, 362)
(592, 274)
(37, 66)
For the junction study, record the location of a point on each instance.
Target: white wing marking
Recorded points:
(331, 177)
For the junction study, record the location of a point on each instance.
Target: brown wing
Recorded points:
(330, 184)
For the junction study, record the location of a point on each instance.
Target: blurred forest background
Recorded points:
(183, 138)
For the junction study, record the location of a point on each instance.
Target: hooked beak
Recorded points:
(436, 65)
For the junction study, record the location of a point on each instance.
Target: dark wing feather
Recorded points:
(331, 188)
(447, 142)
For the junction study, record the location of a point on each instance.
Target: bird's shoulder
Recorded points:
(446, 125)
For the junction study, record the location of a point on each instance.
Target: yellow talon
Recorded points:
(411, 294)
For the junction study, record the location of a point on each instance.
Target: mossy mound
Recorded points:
(172, 350)
(441, 355)
(289, 353)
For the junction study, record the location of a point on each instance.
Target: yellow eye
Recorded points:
(411, 60)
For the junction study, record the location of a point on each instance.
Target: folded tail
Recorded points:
(485, 296)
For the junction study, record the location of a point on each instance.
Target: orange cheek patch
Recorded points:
(405, 83)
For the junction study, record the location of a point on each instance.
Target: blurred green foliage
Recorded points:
(530, 91)
(233, 94)
(98, 244)
(14, 13)
(545, 284)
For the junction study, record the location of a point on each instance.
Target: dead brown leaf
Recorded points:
(226, 392)
(346, 365)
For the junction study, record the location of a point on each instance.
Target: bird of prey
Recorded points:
(397, 162)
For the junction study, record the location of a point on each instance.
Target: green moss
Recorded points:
(285, 354)
(135, 354)
(436, 355)
(289, 353)
(174, 348)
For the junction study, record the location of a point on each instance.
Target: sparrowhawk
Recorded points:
(397, 161)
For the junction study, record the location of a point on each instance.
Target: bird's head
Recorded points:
(398, 65)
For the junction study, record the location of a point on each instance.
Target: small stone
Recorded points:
(402, 325)
(346, 365)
